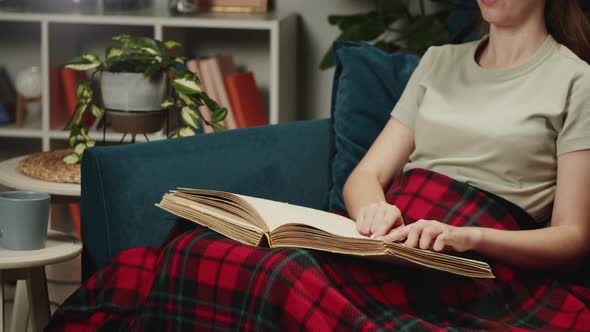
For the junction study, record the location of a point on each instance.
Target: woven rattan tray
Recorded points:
(49, 166)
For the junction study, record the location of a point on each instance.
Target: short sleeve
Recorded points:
(575, 131)
(406, 108)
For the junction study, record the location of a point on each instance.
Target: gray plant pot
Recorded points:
(133, 101)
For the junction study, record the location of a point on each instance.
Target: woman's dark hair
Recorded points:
(568, 24)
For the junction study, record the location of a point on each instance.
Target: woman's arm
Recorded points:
(565, 242)
(364, 189)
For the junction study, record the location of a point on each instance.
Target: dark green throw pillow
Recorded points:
(368, 82)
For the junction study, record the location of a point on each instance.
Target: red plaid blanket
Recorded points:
(199, 280)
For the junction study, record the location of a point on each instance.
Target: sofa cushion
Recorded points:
(367, 83)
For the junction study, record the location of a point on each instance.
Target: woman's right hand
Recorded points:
(378, 219)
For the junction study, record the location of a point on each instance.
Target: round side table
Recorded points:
(29, 265)
(12, 178)
(60, 193)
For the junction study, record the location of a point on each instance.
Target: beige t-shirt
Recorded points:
(500, 130)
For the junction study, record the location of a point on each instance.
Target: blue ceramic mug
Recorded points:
(24, 216)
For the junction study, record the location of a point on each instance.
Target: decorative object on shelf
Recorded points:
(28, 87)
(134, 77)
(28, 82)
(234, 6)
(49, 166)
(183, 6)
(393, 26)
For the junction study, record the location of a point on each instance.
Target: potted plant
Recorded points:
(140, 78)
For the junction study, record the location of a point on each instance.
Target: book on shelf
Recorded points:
(214, 70)
(245, 100)
(234, 6)
(57, 108)
(266, 223)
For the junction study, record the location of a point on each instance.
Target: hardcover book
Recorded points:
(261, 222)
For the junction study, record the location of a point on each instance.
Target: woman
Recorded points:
(509, 115)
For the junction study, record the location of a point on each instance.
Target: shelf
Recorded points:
(261, 43)
(10, 130)
(147, 16)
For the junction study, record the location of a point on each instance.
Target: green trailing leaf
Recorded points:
(83, 91)
(145, 44)
(218, 127)
(186, 132)
(72, 139)
(188, 86)
(170, 44)
(72, 159)
(78, 112)
(79, 149)
(90, 144)
(219, 115)
(211, 104)
(152, 70)
(190, 118)
(84, 62)
(84, 134)
(113, 52)
(168, 103)
(96, 111)
(186, 100)
(124, 39)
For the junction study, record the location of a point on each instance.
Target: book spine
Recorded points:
(245, 99)
(57, 108)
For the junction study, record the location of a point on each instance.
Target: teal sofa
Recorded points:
(121, 184)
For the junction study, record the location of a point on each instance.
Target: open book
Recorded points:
(262, 222)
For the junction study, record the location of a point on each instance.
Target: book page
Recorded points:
(276, 214)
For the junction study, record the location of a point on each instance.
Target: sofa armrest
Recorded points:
(121, 184)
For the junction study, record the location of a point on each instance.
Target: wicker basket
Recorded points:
(49, 166)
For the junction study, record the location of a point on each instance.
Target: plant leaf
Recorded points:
(187, 100)
(113, 52)
(218, 127)
(71, 159)
(188, 86)
(219, 115)
(83, 91)
(96, 111)
(170, 44)
(84, 134)
(83, 62)
(79, 149)
(186, 132)
(190, 118)
(168, 103)
(152, 70)
(146, 44)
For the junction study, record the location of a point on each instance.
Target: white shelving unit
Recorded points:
(262, 43)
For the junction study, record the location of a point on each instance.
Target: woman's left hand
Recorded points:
(434, 235)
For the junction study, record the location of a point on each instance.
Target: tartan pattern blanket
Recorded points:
(199, 280)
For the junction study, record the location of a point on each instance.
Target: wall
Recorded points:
(315, 36)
